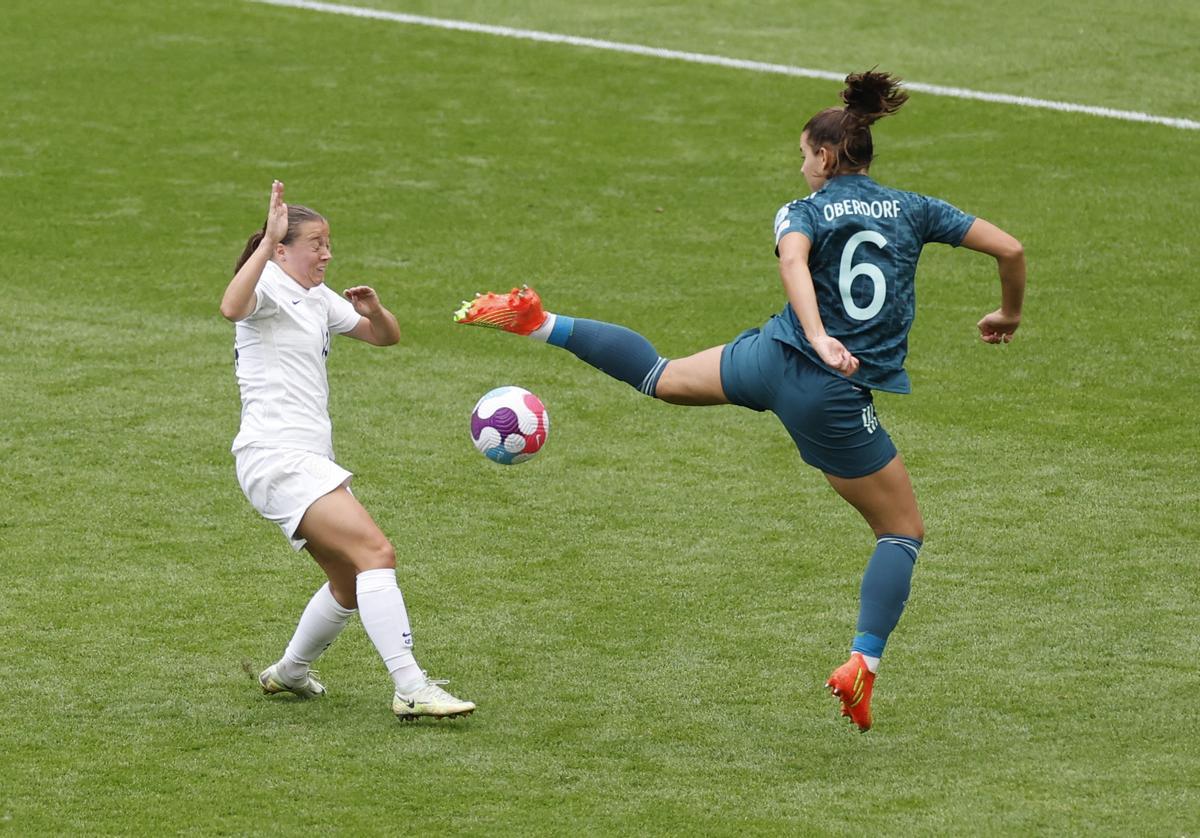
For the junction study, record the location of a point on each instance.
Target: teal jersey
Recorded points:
(866, 240)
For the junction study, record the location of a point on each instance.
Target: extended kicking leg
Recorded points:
(613, 349)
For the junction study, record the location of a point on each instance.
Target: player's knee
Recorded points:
(896, 522)
(676, 396)
(667, 387)
(378, 553)
(913, 526)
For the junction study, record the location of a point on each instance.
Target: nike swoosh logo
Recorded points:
(296, 302)
(411, 704)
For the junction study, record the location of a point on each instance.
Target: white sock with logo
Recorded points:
(381, 608)
(320, 624)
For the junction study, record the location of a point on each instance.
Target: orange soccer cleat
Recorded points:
(852, 682)
(519, 311)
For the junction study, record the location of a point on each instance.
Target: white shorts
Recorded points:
(282, 483)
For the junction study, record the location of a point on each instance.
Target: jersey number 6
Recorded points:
(848, 273)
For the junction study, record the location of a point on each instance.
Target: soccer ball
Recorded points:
(509, 425)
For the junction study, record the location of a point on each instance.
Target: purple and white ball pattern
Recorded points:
(509, 425)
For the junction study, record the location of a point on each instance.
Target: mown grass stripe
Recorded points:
(724, 61)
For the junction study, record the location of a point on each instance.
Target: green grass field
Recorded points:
(645, 613)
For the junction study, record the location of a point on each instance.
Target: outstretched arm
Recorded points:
(998, 326)
(238, 301)
(797, 282)
(378, 326)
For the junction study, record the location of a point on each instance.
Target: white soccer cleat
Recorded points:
(429, 699)
(271, 683)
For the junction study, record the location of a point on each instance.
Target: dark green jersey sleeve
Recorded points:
(943, 222)
(795, 217)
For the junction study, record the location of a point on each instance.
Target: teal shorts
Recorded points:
(831, 419)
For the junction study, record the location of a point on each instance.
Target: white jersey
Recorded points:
(279, 355)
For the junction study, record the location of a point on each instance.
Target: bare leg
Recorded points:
(885, 499)
(344, 540)
(332, 605)
(694, 380)
(360, 563)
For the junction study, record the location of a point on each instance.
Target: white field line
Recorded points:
(721, 61)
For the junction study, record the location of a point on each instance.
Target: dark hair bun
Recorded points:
(870, 96)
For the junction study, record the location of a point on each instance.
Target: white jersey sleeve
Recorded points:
(342, 316)
(265, 303)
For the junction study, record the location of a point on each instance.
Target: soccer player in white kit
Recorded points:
(284, 316)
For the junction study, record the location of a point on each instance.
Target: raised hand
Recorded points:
(378, 325)
(365, 300)
(276, 227)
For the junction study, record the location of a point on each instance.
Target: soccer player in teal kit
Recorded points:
(847, 257)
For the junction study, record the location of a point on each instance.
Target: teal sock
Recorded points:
(612, 349)
(885, 588)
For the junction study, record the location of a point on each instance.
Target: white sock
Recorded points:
(320, 624)
(872, 663)
(543, 331)
(381, 608)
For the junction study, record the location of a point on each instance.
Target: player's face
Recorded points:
(308, 254)
(813, 166)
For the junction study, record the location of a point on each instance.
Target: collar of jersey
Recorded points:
(286, 280)
(844, 179)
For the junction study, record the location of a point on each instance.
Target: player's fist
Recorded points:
(835, 355)
(998, 327)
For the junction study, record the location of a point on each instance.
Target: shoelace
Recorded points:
(309, 683)
(432, 688)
